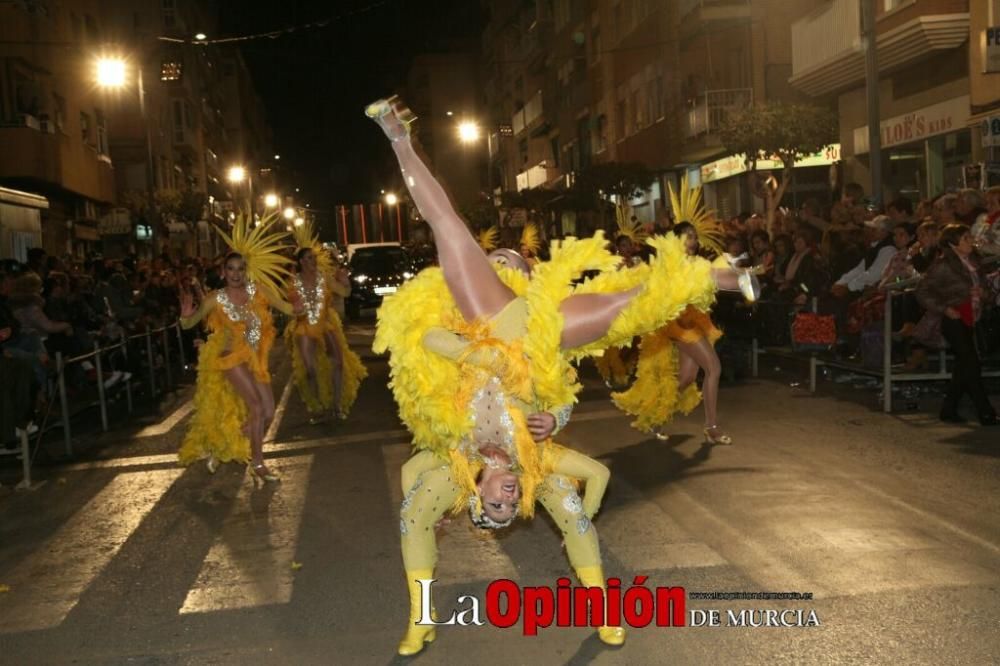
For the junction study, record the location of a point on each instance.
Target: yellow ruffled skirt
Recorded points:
(354, 371)
(653, 397)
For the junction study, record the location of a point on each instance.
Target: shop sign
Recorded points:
(929, 121)
(117, 222)
(989, 130)
(736, 164)
(991, 50)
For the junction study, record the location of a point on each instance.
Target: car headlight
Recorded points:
(407, 275)
(361, 279)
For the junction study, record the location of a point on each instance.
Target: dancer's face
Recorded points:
(236, 272)
(691, 242)
(500, 491)
(308, 262)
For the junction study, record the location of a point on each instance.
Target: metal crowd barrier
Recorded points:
(155, 387)
(886, 372)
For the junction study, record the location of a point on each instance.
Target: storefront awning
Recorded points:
(19, 198)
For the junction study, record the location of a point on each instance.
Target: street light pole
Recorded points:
(150, 165)
(871, 88)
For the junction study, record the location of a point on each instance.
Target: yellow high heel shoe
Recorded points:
(594, 577)
(723, 439)
(393, 117)
(416, 635)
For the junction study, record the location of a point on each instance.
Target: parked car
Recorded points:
(376, 270)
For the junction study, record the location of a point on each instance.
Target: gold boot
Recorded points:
(416, 635)
(594, 577)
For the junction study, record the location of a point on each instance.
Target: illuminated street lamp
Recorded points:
(289, 213)
(391, 199)
(271, 200)
(236, 174)
(468, 132)
(299, 221)
(111, 72)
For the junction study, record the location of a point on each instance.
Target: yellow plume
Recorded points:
(488, 239)
(688, 207)
(627, 227)
(306, 237)
(263, 248)
(531, 238)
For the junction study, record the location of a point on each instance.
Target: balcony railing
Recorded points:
(824, 34)
(527, 114)
(712, 108)
(536, 176)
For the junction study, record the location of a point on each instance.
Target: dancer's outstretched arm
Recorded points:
(475, 286)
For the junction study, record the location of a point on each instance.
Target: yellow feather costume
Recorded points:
(318, 319)
(433, 392)
(238, 335)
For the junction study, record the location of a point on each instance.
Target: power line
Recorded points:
(276, 34)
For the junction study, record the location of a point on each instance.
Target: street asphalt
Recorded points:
(889, 522)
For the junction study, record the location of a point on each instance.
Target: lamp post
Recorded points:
(392, 201)
(112, 74)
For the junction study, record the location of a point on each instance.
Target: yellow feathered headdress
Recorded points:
(488, 238)
(306, 237)
(688, 207)
(262, 246)
(628, 227)
(531, 238)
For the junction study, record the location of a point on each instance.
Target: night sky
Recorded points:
(315, 83)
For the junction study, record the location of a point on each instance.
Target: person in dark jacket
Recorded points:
(952, 290)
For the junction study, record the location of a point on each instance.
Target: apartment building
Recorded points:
(53, 121)
(926, 121)
(984, 86)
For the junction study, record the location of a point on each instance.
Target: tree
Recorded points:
(625, 180)
(783, 132)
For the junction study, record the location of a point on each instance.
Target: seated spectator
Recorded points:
(945, 209)
(900, 266)
(761, 255)
(970, 207)
(925, 250)
(952, 290)
(868, 272)
(803, 275)
(782, 246)
(900, 210)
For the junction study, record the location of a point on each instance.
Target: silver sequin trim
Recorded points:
(312, 299)
(402, 527)
(243, 314)
(572, 503)
(563, 483)
(582, 524)
(562, 416)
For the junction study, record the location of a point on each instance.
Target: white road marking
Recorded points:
(251, 562)
(279, 413)
(168, 423)
(47, 585)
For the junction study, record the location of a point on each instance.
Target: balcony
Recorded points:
(712, 107)
(696, 15)
(528, 114)
(827, 49)
(536, 176)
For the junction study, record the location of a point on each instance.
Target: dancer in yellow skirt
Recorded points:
(670, 358)
(327, 373)
(481, 368)
(233, 400)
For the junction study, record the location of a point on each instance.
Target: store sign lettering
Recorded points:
(736, 164)
(917, 125)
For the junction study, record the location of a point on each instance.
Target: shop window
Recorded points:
(171, 70)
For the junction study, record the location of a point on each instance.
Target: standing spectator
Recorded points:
(951, 290)
(945, 209)
(925, 250)
(803, 275)
(986, 229)
(900, 210)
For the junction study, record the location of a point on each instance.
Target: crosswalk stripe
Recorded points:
(462, 557)
(47, 585)
(251, 562)
(165, 426)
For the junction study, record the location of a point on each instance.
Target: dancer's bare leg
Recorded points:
(587, 317)
(336, 367)
(475, 286)
(246, 387)
(307, 350)
(687, 371)
(703, 353)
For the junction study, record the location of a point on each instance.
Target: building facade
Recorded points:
(926, 123)
(53, 120)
